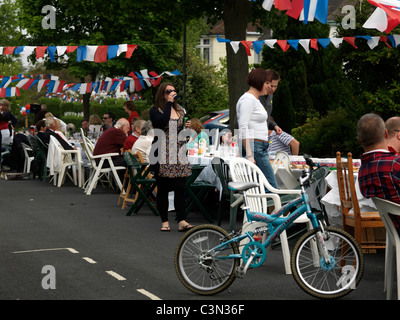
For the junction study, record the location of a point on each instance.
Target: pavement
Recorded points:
(38, 216)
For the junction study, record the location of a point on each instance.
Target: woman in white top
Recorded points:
(253, 123)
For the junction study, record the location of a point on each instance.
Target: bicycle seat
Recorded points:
(242, 186)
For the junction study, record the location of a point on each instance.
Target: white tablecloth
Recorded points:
(332, 199)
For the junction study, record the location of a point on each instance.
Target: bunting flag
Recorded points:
(303, 10)
(315, 44)
(9, 92)
(385, 17)
(98, 54)
(135, 82)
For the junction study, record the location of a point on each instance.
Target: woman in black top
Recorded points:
(168, 155)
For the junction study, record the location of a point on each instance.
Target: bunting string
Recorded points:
(135, 82)
(308, 44)
(97, 54)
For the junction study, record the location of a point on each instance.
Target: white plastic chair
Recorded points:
(215, 138)
(28, 152)
(282, 161)
(62, 159)
(392, 255)
(97, 168)
(243, 170)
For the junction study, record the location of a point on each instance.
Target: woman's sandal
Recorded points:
(186, 228)
(165, 229)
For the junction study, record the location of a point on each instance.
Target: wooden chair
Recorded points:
(360, 224)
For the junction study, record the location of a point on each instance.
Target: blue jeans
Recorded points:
(260, 153)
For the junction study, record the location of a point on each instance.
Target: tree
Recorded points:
(10, 35)
(113, 22)
(315, 80)
(374, 73)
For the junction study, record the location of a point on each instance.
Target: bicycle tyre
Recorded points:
(328, 281)
(214, 275)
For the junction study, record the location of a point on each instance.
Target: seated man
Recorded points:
(393, 128)
(144, 142)
(137, 131)
(112, 141)
(379, 174)
(85, 126)
(108, 121)
(51, 125)
(282, 142)
(41, 128)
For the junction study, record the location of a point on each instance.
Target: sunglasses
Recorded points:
(104, 118)
(169, 91)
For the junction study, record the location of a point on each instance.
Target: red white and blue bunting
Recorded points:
(303, 10)
(97, 54)
(308, 44)
(385, 17)
(134, 82)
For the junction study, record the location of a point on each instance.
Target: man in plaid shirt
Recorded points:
(379, 174)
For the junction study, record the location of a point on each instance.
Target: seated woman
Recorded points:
(197, 135)
(95, 124)
(145, 140)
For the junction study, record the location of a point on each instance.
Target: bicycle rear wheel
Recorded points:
(334, 279)
(203, 271)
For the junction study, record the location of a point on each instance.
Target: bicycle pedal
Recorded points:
(240, 272)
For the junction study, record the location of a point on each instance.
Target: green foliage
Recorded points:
(315, 81)
(324, 136)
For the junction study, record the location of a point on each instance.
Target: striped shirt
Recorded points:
(279, 142)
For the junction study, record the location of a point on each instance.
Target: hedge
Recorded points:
(72, 112)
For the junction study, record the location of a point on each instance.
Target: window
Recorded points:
(205, 51)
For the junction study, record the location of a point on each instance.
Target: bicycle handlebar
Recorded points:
(307, 174)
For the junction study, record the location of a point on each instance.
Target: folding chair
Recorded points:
(98, 169)
(40, 154)
(141, 182)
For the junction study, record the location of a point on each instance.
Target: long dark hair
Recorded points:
(159, 100)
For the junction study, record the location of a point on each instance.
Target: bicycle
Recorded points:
(326, 262)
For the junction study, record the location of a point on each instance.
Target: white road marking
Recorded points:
(89, 260)
(54, 249)
(148, 294)
(111, 273)
(115, 275)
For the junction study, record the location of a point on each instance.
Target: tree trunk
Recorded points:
(86, 99)
(236, 17)
(86, 106)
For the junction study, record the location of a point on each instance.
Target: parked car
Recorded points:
(216, 120)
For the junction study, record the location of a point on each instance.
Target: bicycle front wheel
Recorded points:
(201, 269)
(335, 278)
